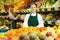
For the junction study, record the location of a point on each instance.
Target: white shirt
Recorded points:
(11, 16)
(40, 20)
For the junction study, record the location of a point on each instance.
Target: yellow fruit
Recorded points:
(55, 27)
(13, 39)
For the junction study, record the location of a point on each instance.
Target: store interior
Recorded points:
(50, 11)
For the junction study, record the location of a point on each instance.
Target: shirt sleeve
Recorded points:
(40, 20)
(11, 16)
(26, 20)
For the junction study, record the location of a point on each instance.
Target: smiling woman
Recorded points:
(33, 19)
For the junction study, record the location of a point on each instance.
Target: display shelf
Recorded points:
(52, 9)
(48, 22)
(3, 13)
(4, 17)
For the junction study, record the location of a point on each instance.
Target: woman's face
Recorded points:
(33, 8)
(12, 10)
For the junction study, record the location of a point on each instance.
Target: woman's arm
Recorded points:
(13, 17)
(17, 16)
(26, 20)
(40, 20)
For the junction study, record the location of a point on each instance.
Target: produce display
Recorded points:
(2, 8)
(47, 3)
(20, 4)
(49, 17)
(4, 28)
(57, 3)
(32, 33)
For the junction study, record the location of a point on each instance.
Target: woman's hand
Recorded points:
(18, 15)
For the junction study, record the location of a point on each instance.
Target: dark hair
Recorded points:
(33, 4)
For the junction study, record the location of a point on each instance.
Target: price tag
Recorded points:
(43, 9)
(49, 9)
(49, 22)
(57, 23)
(56, 8)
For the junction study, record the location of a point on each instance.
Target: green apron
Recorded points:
(13, 24)
(33, 20)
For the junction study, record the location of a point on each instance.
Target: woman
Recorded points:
(33, 19)
(12, 17)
